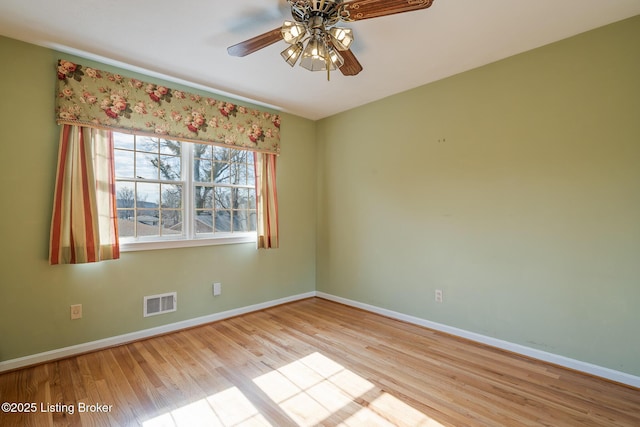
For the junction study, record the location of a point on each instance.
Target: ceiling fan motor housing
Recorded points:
(304, 10)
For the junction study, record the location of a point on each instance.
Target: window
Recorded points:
(171, 193)
(224, 190)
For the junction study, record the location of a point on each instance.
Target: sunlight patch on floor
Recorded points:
(399, 413)
(310, 391)
(227, 408)
(316, 390)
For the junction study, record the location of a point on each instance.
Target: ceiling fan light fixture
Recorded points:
(314, 54)
(341, 37)
(292, 53)
(335, 59)
(293, 32)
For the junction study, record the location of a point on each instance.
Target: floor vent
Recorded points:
(160, 304)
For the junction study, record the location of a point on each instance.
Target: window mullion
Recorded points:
(187, 171)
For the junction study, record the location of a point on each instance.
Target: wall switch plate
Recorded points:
(217, 289)
(76, 311)
(438, 295)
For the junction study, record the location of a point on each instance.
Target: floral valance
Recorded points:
(101, 99)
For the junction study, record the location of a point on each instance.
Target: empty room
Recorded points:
(320, 213)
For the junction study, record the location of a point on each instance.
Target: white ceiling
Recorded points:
(186, 41)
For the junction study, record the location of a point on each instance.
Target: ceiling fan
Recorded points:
(314, 38)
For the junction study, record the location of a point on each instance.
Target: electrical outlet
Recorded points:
(217, 289)
(438, 295)
(76, 311)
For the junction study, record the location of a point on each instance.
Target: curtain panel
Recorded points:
(96, 98)
(84, 222)
(266, 201)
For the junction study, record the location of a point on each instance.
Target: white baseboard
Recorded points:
(607, 373)
(599, 371)
(61, 353)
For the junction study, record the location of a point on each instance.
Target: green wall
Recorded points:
(514, 188)
(35, 297)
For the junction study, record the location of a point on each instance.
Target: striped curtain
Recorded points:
(266, 200)
(84, 221)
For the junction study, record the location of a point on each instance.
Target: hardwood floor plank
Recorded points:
(63, 393)
(314, 362)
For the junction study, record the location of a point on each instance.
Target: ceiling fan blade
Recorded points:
(256, 43)
(351, 66)
(357, 10)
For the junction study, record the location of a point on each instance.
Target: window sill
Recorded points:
(186, 243)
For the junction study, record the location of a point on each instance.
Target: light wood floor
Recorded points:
(312, 362)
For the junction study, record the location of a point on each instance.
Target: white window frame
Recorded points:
(189, 238)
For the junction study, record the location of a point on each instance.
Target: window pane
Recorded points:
(170, 168)
(124, 163)
(242, 198)
(123, 140)
(126, 223)
(238, 156)
(252, 221)
(148, 222)
(252, 199)
(251, 174)
(148, 195)
(223, 221)
(238, 175)
(146, 166)
(244, 175)
(204, 222)
(202, 170)
(145, 143)
(168, 146)
(221, 173)
(125, 195)
(171, 222)
(203, 197)
(240, 221)
(202, 151)
(222, 197)
(171, 196)
(221, 153)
